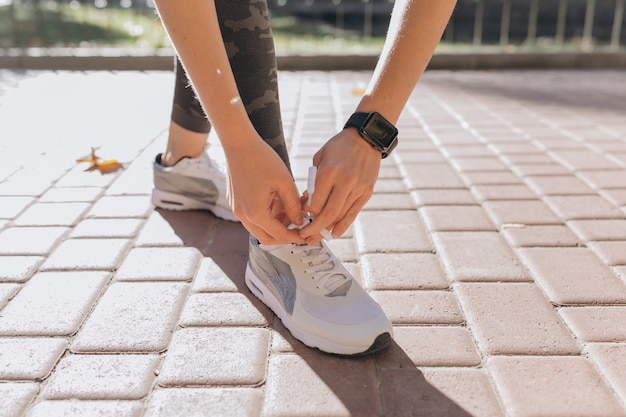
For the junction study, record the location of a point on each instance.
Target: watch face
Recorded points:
(378, 128)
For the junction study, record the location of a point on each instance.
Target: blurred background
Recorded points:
(304, 26)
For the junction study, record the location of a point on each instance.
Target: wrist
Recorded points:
(237, 139)
(374, 129)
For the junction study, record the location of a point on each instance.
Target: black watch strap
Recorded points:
(356, 119)
(362, 121)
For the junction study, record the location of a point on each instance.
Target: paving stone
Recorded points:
(390, 202)
(29, 358)
(71, 194)
(442, 197)
(583, 207)
(577, 160)
(420, 157)
(216, 356)
(402, 271)
(529, 386)
(24, 184)
(599, 229)
(478, 150)
(620, 271)
(132, 317)
(223, 274)
(137, 179)
(456, 218)
(573, 276)
(469, 388)
(603, 180)
(618, 158)
(344, 249)
(558, 185)
(389, 185)
(547, 141)
(52, 214)
(478, 256)
(611, 253)
(528, 169)
(227, 239)
(11, 206)
(342, 387)
(80, 408)
(157, 231)
(86, 254)
(431, 176)
(610, 358)
(532, 212)
(30, 240)
(121, 206)
(540, 236)
(596, 324)
(102, 377)
(44, 306)
(474, 178)
(78, 177)
(107, 228)
(7, 291)
(420, 307)
(453, 136)
(521, 159)
(479, 163)
(200, 402)
(521, 322)
(391, 231)
(15, 397)
(502, 192)
(224, 309)
(18, 268)
(514, 148)
(616, 196)
(608, 147)
(153, 264)
(404, 391)
(282, 341)
(430, 346)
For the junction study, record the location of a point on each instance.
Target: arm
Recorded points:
(255, 199)
(347, 166)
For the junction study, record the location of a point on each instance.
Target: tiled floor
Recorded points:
(495, 241)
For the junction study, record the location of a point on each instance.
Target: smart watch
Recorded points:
(376, 130)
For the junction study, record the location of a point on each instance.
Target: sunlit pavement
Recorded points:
(495, 241)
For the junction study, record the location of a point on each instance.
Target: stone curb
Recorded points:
(450, 61)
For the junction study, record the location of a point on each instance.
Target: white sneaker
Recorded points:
(192, 184)
(316, 298)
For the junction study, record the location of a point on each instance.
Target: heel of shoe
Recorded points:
(176, 202)
(251, 285)
(171, 201)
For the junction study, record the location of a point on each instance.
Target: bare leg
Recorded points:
(182, 143)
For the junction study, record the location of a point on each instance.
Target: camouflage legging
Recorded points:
(247, 35)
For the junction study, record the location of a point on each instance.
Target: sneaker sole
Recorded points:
(177, 202)
(257, 287)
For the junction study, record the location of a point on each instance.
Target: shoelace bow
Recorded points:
(321, 265)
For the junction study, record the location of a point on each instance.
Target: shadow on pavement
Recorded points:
(386, 383)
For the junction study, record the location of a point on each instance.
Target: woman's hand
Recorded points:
(262, 193)
(347, 169)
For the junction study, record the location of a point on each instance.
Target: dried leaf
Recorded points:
(105, 167)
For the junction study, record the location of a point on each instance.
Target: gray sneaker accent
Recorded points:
(275, 273)
(192, 184)
(201, 189)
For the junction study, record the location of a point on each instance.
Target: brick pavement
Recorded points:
(496, 242)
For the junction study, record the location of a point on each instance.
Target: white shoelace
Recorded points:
(320, 263)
